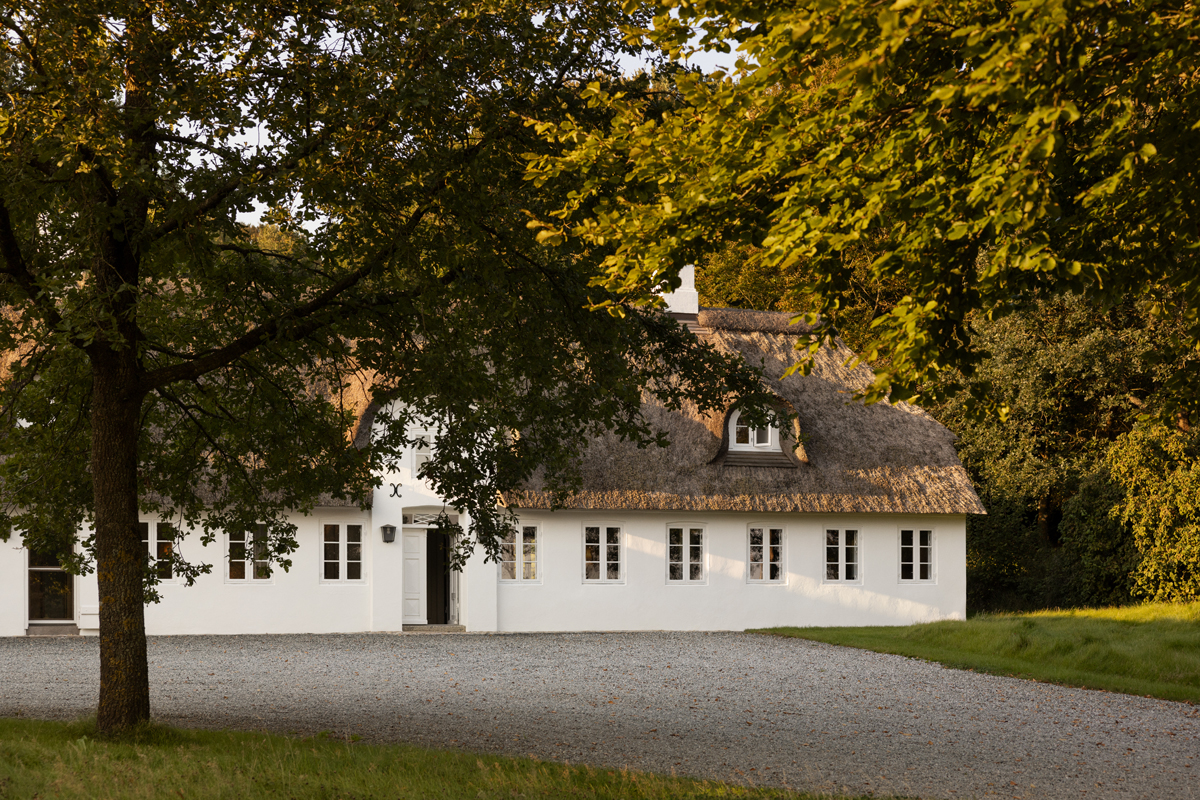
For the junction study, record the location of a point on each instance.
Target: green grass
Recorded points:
(1151, 649)
(68, 760)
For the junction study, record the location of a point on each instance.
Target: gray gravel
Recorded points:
(738, 707)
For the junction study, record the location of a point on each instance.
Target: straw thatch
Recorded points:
(853, 458)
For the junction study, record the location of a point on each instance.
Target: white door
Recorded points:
(414, 577)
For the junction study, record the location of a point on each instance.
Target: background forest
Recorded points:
(1092, 496)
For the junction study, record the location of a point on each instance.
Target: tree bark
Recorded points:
(120, 556)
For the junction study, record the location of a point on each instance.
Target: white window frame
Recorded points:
(250, 542)
(916, 547)
(519, 549)
(153, 544)
(604, 526)
(343, 561)
(767, 529)
(761, 440)
(843, 560)
(422, 450)
(688, 551)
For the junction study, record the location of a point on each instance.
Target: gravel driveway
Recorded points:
(739, 707)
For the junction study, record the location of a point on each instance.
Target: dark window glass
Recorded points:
(51, 595)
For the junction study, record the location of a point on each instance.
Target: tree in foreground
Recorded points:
(987, 155)
(161, 357)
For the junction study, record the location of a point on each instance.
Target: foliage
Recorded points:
(164, 358)
(1151, 649)
(68, 760)
(1054, 136)
(1158, 469)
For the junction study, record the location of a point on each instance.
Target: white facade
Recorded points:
(559, 597)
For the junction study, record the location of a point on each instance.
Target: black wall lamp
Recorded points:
(389, 533)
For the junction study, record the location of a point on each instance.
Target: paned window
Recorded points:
(916, 555)
(158, 539)
(602, 553)
(342, 554)
(744, 437)
(518, 555)
(685, 554)
(841, 555)
(766, 554)
(423, 452)
(248, 555)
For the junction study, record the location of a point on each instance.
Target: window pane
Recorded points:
(831, 538)
(906, 538)
(237, 551)
(776, 572)
(354, 571)
(906, 555)
(776, 555)
(675, 554)
(697, 554)
(831, 555)
(851, 572)
(906, 571)
(332, 552)
(926, 537)
(40, 559)
(696, 536)
(614, 572)
(756, 536)
(831, 572)
(697, 572)
(530, 534)
(508, 570)
(776, 536)
(237, 568)
(851, 538)
(332, 533)
(530, 570)
(530, 552)
(51, 595)
(508, 552)
(592, 572)
(354, 552)
(331, 570)
(591, 552)
(756, 554)
(676, 573)
(354, 533)
(924, 572)
(756, 571)
(614, 535)
(762, 436)
(613, 553)
(509, 537)
(591, 535)
(262, 570)
(675, 536)
(742, 434)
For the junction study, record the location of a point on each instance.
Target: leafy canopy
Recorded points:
(988, 153)
(383, 145)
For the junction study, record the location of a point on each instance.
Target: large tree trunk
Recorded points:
(120, 556)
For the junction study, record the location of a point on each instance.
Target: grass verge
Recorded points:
(68, 760)
(1151, 649)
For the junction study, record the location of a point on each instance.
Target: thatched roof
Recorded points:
(854, 458)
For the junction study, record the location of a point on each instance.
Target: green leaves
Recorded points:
(993, 153)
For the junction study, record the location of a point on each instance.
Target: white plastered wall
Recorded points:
(13, 587)
(644, 600)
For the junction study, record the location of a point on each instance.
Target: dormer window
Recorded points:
(744, 437)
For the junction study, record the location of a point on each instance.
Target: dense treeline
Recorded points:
(1092, 498)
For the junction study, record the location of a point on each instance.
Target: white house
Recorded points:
(855, 517)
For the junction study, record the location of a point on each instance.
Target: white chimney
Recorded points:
(685, 299)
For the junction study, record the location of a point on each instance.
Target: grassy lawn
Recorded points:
(67, 760)
(1152, 649)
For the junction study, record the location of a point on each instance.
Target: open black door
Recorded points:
(437, 578)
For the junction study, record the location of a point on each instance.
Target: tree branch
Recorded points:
(16, 268)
